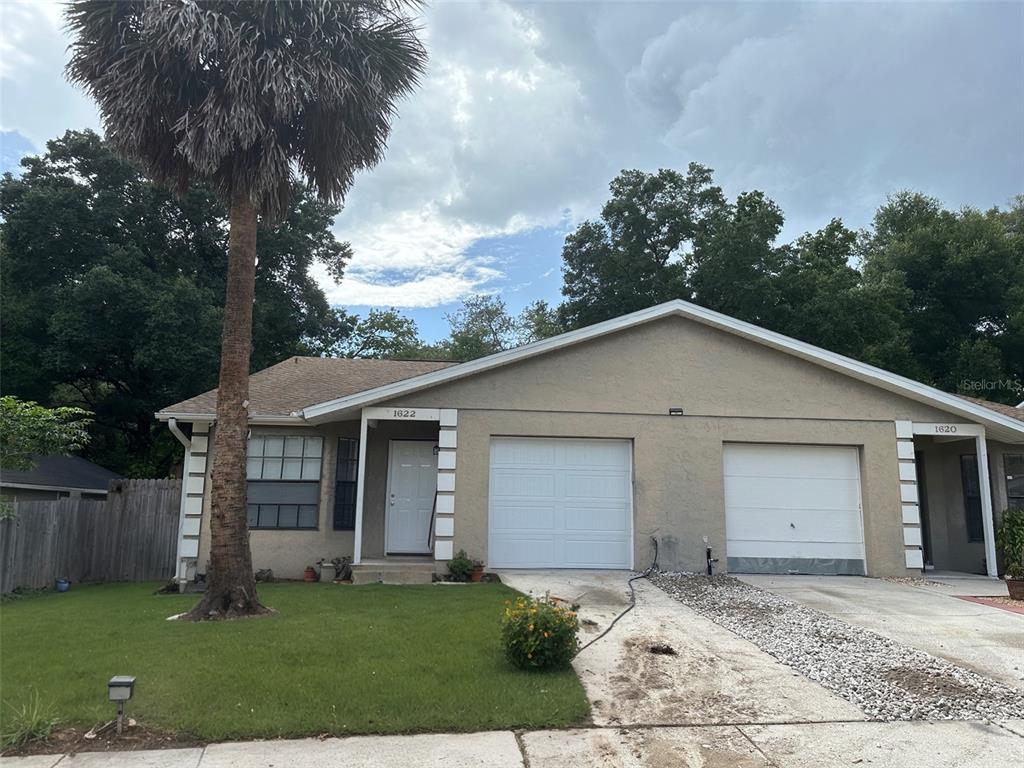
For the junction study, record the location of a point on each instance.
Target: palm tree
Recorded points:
(245, 96)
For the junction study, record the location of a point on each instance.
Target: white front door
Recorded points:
(412, 483)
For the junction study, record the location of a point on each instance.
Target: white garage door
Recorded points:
(793, 509)
(560, 503)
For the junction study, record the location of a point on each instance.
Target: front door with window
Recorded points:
(412, 483)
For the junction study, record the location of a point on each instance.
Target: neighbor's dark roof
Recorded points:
(1006, 410)
(290, 386)
(61, 472)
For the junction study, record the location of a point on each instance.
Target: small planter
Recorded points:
(1016, 588)
(310, 574)
(62, 585)
(477, 574)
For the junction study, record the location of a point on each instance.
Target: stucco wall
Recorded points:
(621, 386)
(288, 552)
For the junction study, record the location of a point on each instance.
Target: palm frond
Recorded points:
(246, 95)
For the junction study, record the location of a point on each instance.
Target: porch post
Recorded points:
(987, 519)
(357, 549)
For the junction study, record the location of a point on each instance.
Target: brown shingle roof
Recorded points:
(1006, 410)
(289, 386)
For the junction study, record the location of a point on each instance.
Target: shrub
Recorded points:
(1010, 540)
(32, 721)
(539, 634)
(460, 566)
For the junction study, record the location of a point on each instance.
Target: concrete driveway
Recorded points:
(926, 615)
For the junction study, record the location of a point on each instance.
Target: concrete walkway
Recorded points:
(797, 745)
(929, 616)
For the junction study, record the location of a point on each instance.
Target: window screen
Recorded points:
(284, 481)
(345, 483)
(1013, 463)
(972, 497)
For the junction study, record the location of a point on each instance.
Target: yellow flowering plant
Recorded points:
(539, 633)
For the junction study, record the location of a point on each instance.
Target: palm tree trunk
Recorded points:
(230, 584)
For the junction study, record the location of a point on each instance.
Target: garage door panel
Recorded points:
(560, 503)
(795, 492)
(793, 509)
(523, 483)
(768, 460)
(594, 517)
(801, 525)
(580, 553)
(794, 549)
(592, 485)
(525, 551)
(523, 517)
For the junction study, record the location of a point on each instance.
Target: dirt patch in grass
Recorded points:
(72, 740)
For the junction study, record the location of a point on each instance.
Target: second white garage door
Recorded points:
(793, 509)
(560, 503)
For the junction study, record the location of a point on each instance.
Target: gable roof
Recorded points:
(1001, 425)
(64, 472)
(1013, 411)
(281, 391)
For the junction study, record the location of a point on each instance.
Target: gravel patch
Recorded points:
(886, 679)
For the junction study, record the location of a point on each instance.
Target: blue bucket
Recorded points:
(63, 585)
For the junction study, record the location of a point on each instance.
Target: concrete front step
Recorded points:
(393, 573)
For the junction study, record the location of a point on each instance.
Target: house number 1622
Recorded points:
(404, 413)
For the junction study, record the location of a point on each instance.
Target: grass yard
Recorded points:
(335, 659)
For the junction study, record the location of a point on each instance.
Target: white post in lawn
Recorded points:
(357, 549)
(985, 491)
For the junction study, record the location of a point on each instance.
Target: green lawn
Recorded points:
(335, 659)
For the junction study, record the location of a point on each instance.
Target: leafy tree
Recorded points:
(482, 326)
(111, 292)
(961, 274)
(536, 322)
(383, 333)
(636, 255)
(243, 95)
(27, 429)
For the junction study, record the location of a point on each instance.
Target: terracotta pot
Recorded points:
(477, 574)
(310, 574)
(1016, 588)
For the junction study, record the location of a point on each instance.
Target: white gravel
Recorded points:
(886, 679)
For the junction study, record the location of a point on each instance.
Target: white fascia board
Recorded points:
(892, 382)
(255, 419)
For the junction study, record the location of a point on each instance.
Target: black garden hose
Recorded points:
(632, 598)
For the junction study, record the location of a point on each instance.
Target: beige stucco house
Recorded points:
(674, 425)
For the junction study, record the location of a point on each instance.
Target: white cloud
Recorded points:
(529, 110)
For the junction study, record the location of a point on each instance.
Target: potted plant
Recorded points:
(477, 574)
(1010, 540)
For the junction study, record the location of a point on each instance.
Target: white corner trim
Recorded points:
(445, 481)
(447, 438)
(444, 526)
(449, 417)
(892, 382)
(905, 429)
(908, 493)
(912, 537)
(911, 514)
(445, 504)
(908, 471)
(914, 558)
(445, 459)
(904, 449)
(443, 549)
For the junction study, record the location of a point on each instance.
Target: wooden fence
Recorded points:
(129, 536)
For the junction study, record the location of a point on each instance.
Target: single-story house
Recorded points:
(56, 477)
(673, 424)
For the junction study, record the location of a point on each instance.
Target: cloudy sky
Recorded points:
(529, 110)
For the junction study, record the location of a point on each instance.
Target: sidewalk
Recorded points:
(953, 744)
